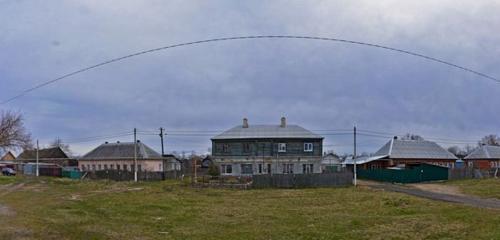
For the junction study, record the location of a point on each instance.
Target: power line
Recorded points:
(188, 134)
(95, 138)
(246, 38)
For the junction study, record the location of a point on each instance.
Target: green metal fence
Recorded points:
(72, 174)
(415, 174)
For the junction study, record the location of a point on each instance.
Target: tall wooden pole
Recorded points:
(354, 159)
(37, 161)
(161, 137)
(135, 154)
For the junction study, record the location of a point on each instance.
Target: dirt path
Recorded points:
(4, 190)
(436, 192)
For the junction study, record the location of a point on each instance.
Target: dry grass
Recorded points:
(67, 209)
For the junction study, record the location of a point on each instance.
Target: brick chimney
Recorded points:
(283, 122)
(245, 123)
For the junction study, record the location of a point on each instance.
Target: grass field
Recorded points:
(489, 188)
(50, 208)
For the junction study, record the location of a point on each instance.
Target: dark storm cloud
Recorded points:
(319, 85)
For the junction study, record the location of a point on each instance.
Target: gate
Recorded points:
(414, 174)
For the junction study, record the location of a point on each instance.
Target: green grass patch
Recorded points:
(7, 179)
(51, 208)
(489, 188)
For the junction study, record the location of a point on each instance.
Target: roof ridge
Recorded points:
(487, 153)
(390, 147)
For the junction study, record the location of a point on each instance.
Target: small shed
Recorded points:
(44, 169)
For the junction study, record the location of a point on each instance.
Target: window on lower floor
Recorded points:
(105, 166)
(83, 167)
(98, 166)
(132, 167)
(269, 168)
(287, 168)
(93, 167)
(226, 168)
(260, 168)
(139, 167)
(307, 168)
(117, 166)
(125, 167)
(111, 166)
(246, 169)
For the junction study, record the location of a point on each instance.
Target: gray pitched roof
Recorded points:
(267, 131)
(485, 152)
(47, 153)
(122, 151)
(414, 149)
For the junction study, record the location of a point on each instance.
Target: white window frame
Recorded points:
(308, 147)
(224, 168)
(307, 168)
(281, 147)
(288, 168)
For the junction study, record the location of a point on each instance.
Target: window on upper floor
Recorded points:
(246, 147)
(225, 148)
(308, 147)
(281, 147)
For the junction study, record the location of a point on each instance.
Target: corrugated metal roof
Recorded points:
(414, 149)
(363, 160)
(122, 151)
(267, 131)
(485, 152)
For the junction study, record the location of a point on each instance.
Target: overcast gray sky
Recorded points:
(319, 85)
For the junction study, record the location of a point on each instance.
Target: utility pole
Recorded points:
(354, 158)
(37, 167)
(135, 154)
(161, 137)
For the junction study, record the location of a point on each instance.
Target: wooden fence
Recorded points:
(117, 175)
(303, 180)
(468, 173)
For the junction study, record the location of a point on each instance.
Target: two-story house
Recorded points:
(267, 149)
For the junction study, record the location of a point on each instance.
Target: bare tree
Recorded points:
(455, 150)
(411, 136)
(491, 139)
(59, 143)
(469, 148)
(13, 134)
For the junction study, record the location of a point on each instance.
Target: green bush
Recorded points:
(213, 170)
